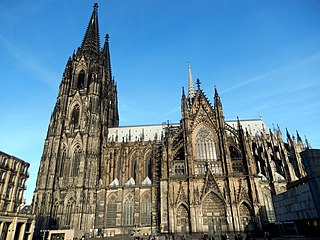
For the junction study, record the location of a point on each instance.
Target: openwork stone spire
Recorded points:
(91, 41)
(191, 93)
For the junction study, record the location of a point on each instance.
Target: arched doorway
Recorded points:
(245, 216)
(182, 219)
(214, 214)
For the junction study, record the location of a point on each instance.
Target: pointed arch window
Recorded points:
(55, 214)
(75, 116)
(68, 213)
(236, 159)
(89, 79)
(112, 211)
(76, 161)
(80, 84)
(245, 215)
(61, 162)
(270, 214)
(5, 162)
(179, 162)
(148, 166)
(119, 166)
(128, 211)
(205, 145)
(134, 170)
(2, 176)
(205, 149)
(182, 219)
(15, 165)
(145, 210)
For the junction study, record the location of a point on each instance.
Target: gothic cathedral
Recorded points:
(201, 175)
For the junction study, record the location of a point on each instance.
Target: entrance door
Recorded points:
(182, 219)
(245, 216)
(214, 225)
(245, 223)
(210, 226)
(213, 211)
(183, 225)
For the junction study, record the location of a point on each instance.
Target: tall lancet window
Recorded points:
(89, 79)
(112, 211)
(75, 116)
(80, 83)
(68, 213)
(55, 214)
(119, 166)
(149, 169)
(145, 210)
(76, 161)
(205, 148)
(128, 211)
(61, 164)
(134, 170)
(148, 166)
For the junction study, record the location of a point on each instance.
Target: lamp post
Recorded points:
(44, 233)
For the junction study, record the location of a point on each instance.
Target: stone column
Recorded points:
(22, 231)
(12, 230)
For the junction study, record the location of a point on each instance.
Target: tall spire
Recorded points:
(217, 101)
(184, 104)
(298, 136)
(91, 41)
(190, 84)
(289, 140)
(307, 142)
(106, 56)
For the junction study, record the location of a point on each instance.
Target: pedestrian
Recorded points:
(267, 236)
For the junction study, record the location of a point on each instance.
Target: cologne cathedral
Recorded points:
(201, 175)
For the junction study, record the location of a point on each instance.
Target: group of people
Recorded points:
(238, 237)
(225, 236)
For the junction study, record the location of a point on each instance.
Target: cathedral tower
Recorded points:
(70, 166)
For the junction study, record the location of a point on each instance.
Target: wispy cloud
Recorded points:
(172, 111)
(29, 62)
(244, 83)
(275, 73)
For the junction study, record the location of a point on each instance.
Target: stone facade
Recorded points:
(300, 203)
(14, 223)
(201, 175)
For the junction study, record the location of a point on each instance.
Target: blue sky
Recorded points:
(263, 56)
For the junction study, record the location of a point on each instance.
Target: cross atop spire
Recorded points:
(198, 83)
(190, 83)
(91, 40)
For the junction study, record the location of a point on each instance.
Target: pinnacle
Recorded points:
(91, 40)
